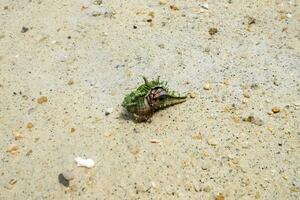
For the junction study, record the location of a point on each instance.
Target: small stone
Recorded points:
(155, 141)
(13, 149)
(226, 82)
(151, 14)
(109, 111)
(207, 86)
(42, 99)
(251, 20)
(212, 142)
(275, 109)
(71, 82)
(220, 197)
(174, 7)
(24, 29)
(212, 31)
(63, 181)
(197, 186)
(13, 181)
(29, 152)
(18, 136)
(246, 95)
(72, 130)
(205, 6)
(162, 2)
(29, 125)
(193, 95)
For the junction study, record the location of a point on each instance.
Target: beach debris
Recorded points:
(253, 120)
(42, 99)
(70, 82)
(246, 94)
(220, 197)
(251, 20)
(193, 95)
(205, 6)
(155, 141)
(108, 111)
(62, 180)
(207, 86)
(162, 2)
(18, 136)
(13, 149)
(212, 31)
(68, 175)
(81, 162)
(174, 7)
(29, 125)
(275, 109)
(24, 29)
(72, 130)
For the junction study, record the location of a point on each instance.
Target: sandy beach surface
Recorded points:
(65, 63)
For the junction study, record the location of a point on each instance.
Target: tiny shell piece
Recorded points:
(81, 162)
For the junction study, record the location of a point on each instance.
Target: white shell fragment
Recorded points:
(81, 162)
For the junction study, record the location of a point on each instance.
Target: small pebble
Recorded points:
(226, 82)
(63, 181)
(246, 95)
(71, 82)
(18, 136)
(254, 120)
(29, 125)
(174, 7)
(212, 142)
(155, 141)
(72, 130)
(192, 95)
(197, 136)
(212, 31)
(42, 99)
(13, 181)
(151, 14)
(162, 2)
(207, 86)
(24, 29)
(275, 110)
(289, 15)
(220, 197)
(205, 6)
(109, 111)
(13, 149)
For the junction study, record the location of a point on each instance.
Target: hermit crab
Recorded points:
(149, 98)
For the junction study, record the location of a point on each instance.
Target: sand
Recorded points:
(64, 63)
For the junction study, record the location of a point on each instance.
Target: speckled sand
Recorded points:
(83, 58)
